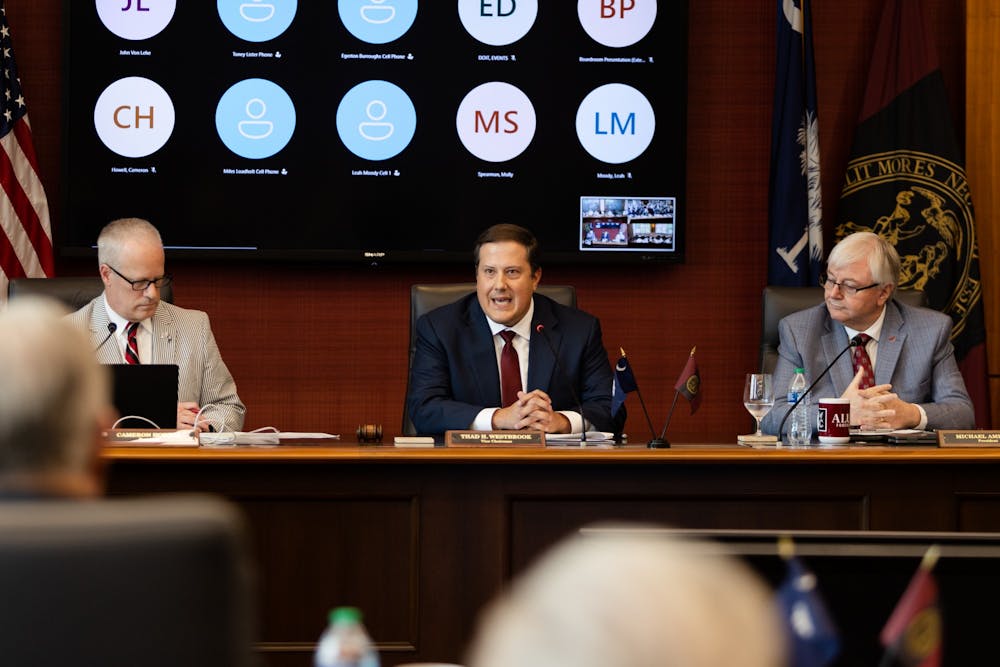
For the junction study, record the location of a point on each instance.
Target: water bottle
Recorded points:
(799, 426)
(345, 643)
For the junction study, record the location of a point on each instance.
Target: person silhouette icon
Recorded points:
(256, 128)
(376, 129)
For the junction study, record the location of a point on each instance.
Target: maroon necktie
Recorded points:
(510, 370)
(862, 360)
(132, 345)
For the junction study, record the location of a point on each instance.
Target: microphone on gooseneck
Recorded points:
(112, 328)
(854, 342)
(565, 378)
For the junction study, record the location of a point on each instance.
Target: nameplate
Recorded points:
(494, 439)
(968, 438)
(117, 435)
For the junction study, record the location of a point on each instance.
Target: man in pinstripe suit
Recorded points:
(131, 263)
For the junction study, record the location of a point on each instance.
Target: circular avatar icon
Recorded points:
(616, 24)
(377, 21)
(495, 121)
(255, 118)
(498, 22)
(376, 120)
(134, 117)
(256, 20)
(138, 19)
(615, 123)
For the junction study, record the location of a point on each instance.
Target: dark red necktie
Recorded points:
(132, 345)
(862, 360)
(510, 370)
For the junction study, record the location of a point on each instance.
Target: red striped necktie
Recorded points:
(510, 370)
(132, 345)
(862, 360)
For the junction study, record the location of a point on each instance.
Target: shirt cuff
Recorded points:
(575, 420)
(484, 420)
(922, 424)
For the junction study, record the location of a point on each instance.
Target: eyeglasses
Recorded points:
(847, 290)
(141, 285)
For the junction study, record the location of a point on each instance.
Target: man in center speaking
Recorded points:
(486, 362)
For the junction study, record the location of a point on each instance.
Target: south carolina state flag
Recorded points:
(794, 203)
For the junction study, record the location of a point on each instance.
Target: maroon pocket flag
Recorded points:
(912, 635)
(689, 382)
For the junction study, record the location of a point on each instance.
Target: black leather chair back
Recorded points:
(157, 581)
(778, 301)
(74, 292)
(425, 298)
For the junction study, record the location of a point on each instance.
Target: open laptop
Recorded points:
(146, 390)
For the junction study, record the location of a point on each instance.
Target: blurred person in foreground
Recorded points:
(55, 399)
(916, 383)
(455, 382)
(632, 599)
(131, 262)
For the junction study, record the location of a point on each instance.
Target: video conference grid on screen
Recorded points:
(378, 130)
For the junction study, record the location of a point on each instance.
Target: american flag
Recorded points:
(25, 232)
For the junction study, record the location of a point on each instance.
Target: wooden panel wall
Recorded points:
(323, 347)
(983, 166)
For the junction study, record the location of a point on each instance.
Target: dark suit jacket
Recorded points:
(455, 374)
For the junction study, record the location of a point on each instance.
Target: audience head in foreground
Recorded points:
(54, 402)
(632, 600)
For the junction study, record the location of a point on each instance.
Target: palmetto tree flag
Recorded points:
(624, 383)
(813, 637)
(795, 204)
(905, 181)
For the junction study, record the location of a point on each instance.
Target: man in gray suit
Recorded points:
(131, 263)
(916, 381)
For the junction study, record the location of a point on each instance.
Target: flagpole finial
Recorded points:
(930, 558)
(622, 350)
(786, 547)
(693, 349)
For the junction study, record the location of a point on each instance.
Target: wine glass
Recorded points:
(758, 396)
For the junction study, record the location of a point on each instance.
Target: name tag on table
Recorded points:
(948, 438)
(494, 439)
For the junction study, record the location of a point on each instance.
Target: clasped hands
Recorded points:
(532, 410)
(878, 408)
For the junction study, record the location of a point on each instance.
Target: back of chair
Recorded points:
(778, 301)
(144, 581)
(74, 292)
(425, 298)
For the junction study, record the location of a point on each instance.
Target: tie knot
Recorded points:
(508, 335)
(131, 327)
(864, 338)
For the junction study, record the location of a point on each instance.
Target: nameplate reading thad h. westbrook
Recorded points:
(494, 439)
(968, 438)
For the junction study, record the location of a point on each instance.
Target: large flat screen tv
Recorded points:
(377, 130)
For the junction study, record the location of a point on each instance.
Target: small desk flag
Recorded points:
(689, 382)
(813, 637)
(624, 384)
(912, 635)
